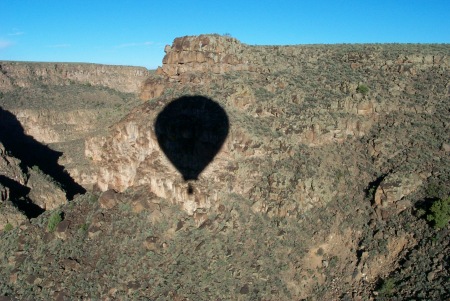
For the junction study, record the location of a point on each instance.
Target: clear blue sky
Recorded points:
(126, 32)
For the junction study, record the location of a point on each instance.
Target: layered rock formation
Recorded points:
(25, 74)
(62, 104)
(217, 54)
(205, 53)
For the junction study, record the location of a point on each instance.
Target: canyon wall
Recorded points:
(332, 153)
(63, 103)
(215, 54)
(24, 74)
(197, 59)
(282, 101)
(288, 106)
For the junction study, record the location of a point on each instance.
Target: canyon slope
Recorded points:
(325, 188)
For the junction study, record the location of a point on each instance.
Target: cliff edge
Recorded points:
(24, 74)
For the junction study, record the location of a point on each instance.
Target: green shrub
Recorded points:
(8, 227)
(420, 212)
(434, 191)
(387, 287)
(125, 207)
(363, 89)
(54, 220)
(333, 262)
(84, 227)
(440, 213)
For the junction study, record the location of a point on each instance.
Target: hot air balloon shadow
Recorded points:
(190, 131)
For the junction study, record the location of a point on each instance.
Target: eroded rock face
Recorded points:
(131, 156)
(62, 113)
(153, 87)
(44, 125)
(204, 53)
(9, 167)
(394, 188)
(11, 216)
(44, 191)
(25, 191)
(121, 78)
(139, 160)
(217, 54)
(10, 174)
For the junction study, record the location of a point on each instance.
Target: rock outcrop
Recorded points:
(11, 176)
(45, 192)
(215, 54)
(391, 195)
(10, 167)
(205, 54)
(25, 190)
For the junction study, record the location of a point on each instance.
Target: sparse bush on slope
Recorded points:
(54, 220)
(440, 213)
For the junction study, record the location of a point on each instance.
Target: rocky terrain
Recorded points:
(333, 182)
(60, 105)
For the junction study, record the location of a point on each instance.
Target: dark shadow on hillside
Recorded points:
(18, 194)
(190, 131)
(33, 153)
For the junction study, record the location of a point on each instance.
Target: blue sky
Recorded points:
(129, 32)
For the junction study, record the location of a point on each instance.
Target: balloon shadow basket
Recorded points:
(191, 131)
(190, 189)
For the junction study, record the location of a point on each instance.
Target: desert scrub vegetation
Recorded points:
(53, 221)
(387, 287)
(47, 177)
(8, 227)
(84, 228)
(363, 89)
(435, 191)
(440, 213)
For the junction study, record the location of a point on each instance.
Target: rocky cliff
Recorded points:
(25, 74)
(219, 54)
(25, 191)
(62, 103)
(191, 56)
(205, 53)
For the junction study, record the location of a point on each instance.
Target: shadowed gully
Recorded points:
(33, 153)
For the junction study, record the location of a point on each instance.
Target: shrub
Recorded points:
(434, 191)
(363, 89)
(440, 213)
(84, 227)
(8, 227)
(387, 287)
(333, 262)
(420, 212)
(54, 220)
